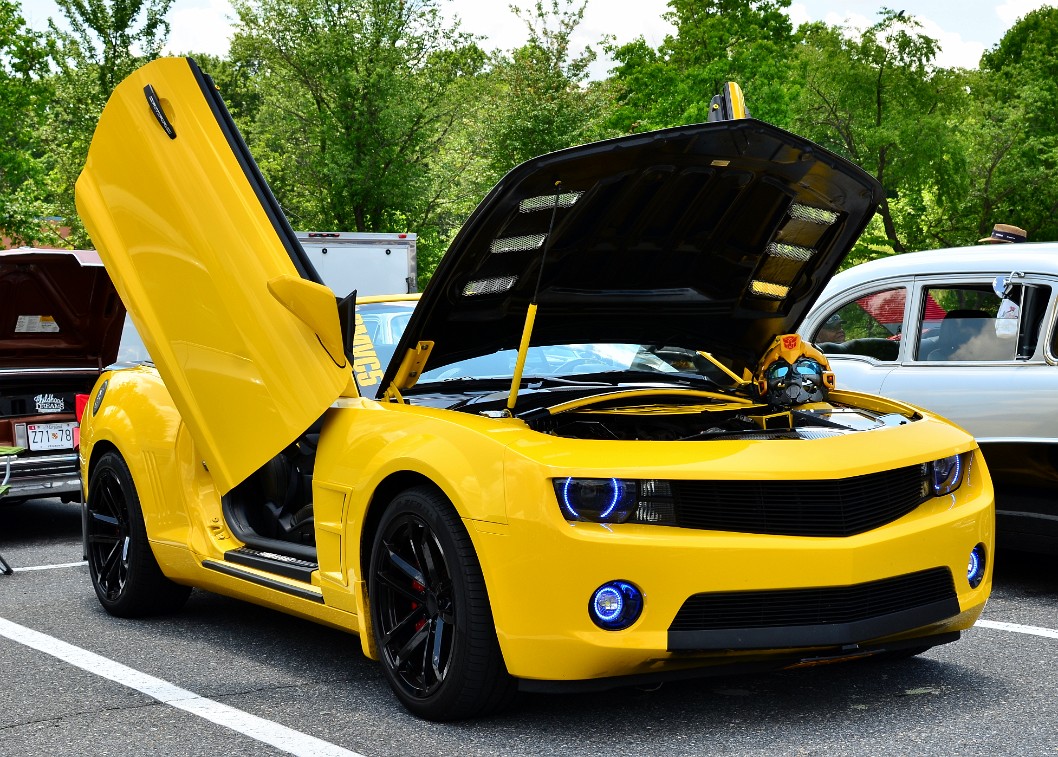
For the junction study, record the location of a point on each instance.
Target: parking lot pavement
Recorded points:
(281, 684)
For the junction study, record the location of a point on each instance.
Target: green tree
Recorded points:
(108, 40)
(1013, 145)
(544, 101)
(24, 96)
(355, 100)
(236, 81)
(878, 99)
(113, 37)
(716, 41)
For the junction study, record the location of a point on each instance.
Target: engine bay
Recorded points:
(703, 423)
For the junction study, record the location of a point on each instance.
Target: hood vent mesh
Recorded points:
(518, 244)
(768, 290)
(790, 251)
(547, 202)
(809, 214)
(489, 286)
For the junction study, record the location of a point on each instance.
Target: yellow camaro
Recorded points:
(591, 454)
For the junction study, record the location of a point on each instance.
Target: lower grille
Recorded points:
(810, 617)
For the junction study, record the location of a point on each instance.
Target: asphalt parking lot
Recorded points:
(224, 677)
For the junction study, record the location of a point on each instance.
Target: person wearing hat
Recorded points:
(832, 330)
(1003, 233)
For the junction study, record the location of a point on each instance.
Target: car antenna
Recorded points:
(530, 314)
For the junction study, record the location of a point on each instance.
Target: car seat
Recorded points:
(958, 329)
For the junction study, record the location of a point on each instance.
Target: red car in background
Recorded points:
(60, 325)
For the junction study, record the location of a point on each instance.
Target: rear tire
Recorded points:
(430, 612)
(125, 575)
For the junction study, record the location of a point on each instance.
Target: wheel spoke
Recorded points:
(447, 613)
(424, 553)
(104, 539)
(401, 657)
(108, 571)
(417, 614)
(110, 500)
(438, 630)
(406, 568)
(97, 518)
(400, 586)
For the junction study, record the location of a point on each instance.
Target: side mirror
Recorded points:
(1003, 285)
(347, 320)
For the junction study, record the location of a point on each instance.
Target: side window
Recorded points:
(971, 322)
(870, 326)
(1026, 304)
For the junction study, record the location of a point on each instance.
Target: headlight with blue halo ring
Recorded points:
(598, 500)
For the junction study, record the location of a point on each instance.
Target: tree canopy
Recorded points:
(25, 93)
(384, 115)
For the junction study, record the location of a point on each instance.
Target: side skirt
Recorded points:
(255, 565)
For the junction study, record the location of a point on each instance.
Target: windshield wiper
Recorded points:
(657, 377)
(537, 381)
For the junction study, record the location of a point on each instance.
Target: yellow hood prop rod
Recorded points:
(530, 314)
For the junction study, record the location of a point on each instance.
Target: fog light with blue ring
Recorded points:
(615, 605)
(975, 569)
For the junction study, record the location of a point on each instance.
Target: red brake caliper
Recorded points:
(416, 586)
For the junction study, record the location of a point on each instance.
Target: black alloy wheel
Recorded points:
(108, 535)
(125, 575)
(415, 597)
(430, 612)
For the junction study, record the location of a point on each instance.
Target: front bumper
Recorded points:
(541, 572)
(779, 660)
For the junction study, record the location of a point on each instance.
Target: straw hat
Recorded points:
(1002, 233)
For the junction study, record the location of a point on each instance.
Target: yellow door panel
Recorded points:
(193, 238)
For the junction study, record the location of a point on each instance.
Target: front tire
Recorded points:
(125, 575)
(430, 612)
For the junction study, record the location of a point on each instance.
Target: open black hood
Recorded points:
(714, 237)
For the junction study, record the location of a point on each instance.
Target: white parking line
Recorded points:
(265, 731)
(50, 567)
(1049, 633)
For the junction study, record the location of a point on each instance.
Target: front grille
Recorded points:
(832, 507)
(784, 608)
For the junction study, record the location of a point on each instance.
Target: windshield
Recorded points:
(384, 322)
(570, 360)
(131, 349)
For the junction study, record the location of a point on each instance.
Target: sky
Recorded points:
(965, 28)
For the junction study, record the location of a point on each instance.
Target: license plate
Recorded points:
(43, 436)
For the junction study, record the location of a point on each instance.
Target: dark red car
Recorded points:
(60, 325)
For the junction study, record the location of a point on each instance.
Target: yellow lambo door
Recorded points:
(177, 207)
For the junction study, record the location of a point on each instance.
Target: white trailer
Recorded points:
(369, 263)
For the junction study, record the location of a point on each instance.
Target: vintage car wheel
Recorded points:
(430, 612)
(125, 575)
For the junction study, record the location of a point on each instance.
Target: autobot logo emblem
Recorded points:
(49, 403)
(789, 342)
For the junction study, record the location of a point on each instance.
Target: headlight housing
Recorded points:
(598, 500)
(947, 474)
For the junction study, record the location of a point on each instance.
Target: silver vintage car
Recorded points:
(968, 333)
